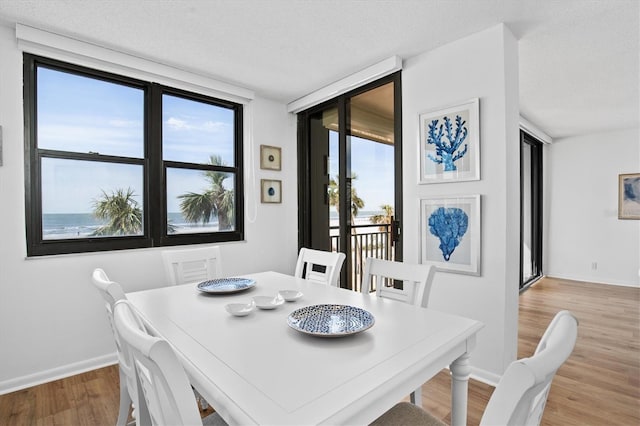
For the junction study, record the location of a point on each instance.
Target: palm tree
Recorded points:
(334, 197)
(383, 218)
(356, 204)
(216, 200)
(122, 212)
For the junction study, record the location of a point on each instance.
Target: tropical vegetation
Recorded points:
(121, 211)
(384, 218)
(334, 196)
(215, 200)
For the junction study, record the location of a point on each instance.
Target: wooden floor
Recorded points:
(598, 385)
(600, 382)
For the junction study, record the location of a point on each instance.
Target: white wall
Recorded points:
(581, 202)
(484, 65)
(52, 322)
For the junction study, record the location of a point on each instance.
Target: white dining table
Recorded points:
(256, 369)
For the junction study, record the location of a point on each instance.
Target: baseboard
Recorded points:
(46, 376)
(592, 281)
(485, 376)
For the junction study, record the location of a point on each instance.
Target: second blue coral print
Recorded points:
(450, 233)
(449, 225)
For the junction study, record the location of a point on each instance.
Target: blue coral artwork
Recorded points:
(449, 225)
(449, 144)
(450, 233)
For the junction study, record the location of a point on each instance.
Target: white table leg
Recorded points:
(416, 397)
(460, 372)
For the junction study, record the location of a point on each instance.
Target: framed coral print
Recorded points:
(270, 191)
(450, 233)
(450, 143)
(270, 157)
(629, 196)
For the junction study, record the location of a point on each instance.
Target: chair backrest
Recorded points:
(521, 395)
(192, 265)
(112, 292)
(319, 266)
(165, 386)
(417, 280)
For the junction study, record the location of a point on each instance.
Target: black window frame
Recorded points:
(154, 168)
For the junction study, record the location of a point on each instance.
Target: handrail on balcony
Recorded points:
(364, 244)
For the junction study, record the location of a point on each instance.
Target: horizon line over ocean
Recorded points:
(61, 225)
(65, 225)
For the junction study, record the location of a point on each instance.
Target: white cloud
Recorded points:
(207, 126)
(213, 126)
(178, 124)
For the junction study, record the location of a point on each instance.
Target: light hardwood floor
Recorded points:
(600, 382)
(598, 385)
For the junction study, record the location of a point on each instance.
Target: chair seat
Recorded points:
(213, 419)
(405, 413)
(521, 394)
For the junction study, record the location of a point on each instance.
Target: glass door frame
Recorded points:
(305, 224)
(536, 212)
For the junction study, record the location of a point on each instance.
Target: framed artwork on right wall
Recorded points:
(629, 196)
(450, 143)
(450, 233)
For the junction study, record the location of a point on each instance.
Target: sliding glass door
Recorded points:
(531, 209)
(350, 175)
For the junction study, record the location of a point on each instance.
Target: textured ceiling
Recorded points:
(578, 58)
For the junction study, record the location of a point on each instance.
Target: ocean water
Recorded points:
(80, 225)
(68, 225)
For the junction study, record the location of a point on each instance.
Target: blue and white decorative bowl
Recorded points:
(226, 285)
(330, 320)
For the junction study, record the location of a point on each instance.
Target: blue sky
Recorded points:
(83, 114)
(372, 162)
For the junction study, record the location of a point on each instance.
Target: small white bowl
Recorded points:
(268, 302)
(240, 309)
(290, 295)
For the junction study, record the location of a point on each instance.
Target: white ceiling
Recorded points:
(579, 69)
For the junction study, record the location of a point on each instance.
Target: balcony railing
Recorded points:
(366, 241)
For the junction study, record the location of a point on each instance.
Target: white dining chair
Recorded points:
(521, 395)
(111, 293)
(164, 383)
(319, 266)
(416, 287)
(192, 265)
(417, 280)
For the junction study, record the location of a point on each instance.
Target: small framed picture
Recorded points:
(270, 157)
(450, 143)
(450, 233)
(270, 191)
(629, 196)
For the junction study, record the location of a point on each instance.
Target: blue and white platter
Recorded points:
(226, 285)
(330, 320)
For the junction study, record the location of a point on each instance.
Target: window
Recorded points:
(114, 163)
